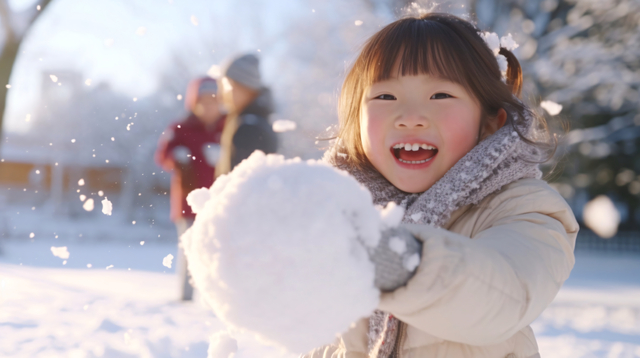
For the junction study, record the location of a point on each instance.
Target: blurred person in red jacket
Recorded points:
(190, 150)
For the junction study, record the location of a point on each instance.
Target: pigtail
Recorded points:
(514, 72)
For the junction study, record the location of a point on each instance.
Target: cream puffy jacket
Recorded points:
(476, 297)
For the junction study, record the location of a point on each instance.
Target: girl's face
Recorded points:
(415, 128)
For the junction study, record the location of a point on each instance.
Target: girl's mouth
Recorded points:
(414, 153)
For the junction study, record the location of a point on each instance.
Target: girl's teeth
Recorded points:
(415, 161)
(412, 147)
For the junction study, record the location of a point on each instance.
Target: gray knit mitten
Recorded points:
(396, 258)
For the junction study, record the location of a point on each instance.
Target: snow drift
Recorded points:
(279, 248)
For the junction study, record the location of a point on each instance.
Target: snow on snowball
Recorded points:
(222, 345)
(279, 248)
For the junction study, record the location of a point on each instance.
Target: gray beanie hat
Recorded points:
(245, 70)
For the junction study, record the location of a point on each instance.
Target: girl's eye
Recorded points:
(386, 97)
(441, 95)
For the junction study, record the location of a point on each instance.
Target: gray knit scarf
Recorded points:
(500, 159)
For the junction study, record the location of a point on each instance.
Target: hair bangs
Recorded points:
(417, 47)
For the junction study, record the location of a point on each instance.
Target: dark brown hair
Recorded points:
(440, 45)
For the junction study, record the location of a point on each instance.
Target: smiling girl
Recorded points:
(428, 121)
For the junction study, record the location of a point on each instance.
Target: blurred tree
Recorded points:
(15, 26)
(584, 55)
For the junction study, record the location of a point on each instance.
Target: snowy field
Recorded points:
(48, 309)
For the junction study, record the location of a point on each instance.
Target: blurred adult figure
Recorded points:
(190, 150)
(249, 103)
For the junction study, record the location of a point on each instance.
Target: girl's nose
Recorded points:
(410, 121)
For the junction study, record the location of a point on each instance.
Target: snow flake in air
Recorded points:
(141, 31)
(100, 193)
(88, 82)
(179, 97)
(81, 182)
(107, 207)
(167, 260)
(83, 197)
(551, 107)
(88, 205)
(194, 20)
(31, 236)
(73, 140)
(283, 125)
(60, 252)
(358, 22)
(602, 216)
(54, 78)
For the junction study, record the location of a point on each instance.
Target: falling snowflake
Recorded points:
(283, 125)
(167, 260)
(88, 205)
(107, 206)
(60, 252)
(551, 107)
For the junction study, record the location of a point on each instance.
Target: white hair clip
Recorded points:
(495, 43)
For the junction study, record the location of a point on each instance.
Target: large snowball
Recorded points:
(279, 248)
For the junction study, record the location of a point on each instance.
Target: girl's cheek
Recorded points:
(462, 129)
(370, 128)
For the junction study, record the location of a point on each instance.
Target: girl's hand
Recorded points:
(395, 258)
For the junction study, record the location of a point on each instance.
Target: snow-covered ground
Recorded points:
(48, 309)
